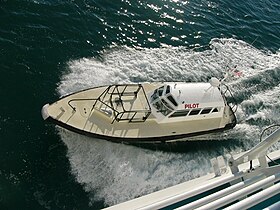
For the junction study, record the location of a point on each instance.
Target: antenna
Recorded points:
(234, 71)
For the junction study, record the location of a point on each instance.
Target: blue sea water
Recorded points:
(49, 48)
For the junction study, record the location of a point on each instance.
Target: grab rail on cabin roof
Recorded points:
(233, 105)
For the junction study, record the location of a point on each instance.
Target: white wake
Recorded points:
(116, 172)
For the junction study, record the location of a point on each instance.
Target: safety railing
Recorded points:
(112, 98)
(228, 95)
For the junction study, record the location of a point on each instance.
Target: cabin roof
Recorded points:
(196, 93)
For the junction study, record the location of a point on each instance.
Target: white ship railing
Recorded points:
(241, 189)
(258, 152)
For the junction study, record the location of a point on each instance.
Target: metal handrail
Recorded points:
(132, 119)
(259, 151)
(117, 113)
(234, 104)
(79, 99)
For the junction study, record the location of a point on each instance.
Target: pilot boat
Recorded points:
(147, 112)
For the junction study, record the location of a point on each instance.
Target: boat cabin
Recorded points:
(183, 101)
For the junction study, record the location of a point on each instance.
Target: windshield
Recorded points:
(157, 93)
(163, 101)
(163, 107)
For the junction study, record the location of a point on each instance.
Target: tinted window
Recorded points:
(166, 104)
(194, 112)
(160, 90)
(167, 89)
(215, 110)
(155, 95)
(161, 108)
(180, 113)
(206, 111)
(172, 100)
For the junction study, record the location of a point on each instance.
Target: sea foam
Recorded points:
(116, 172)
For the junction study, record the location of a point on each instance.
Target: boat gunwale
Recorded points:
(155, 139)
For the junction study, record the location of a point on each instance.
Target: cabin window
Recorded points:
(163, 101)
(206, 111)
(215, 110)
(158, 92)
(167, 89)
(166, 104)
(180, 113)
(194, 112)
(154, 96)
(172, 100)
(163, 107)
(157, 105)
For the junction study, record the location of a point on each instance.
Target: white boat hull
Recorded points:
(85, 113)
